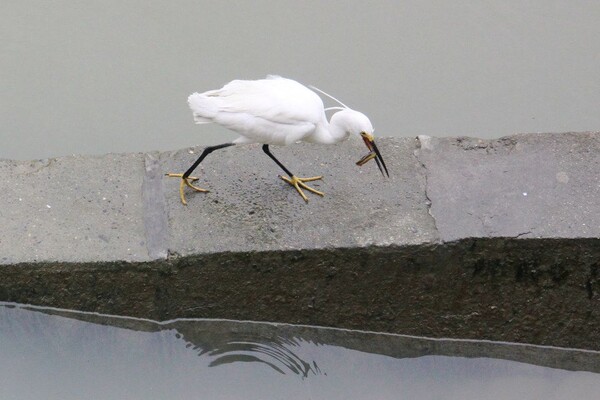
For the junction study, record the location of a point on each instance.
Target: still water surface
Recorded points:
(54, 354)
(102, 76)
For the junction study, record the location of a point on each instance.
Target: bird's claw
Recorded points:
(299, 182)
(186, 182)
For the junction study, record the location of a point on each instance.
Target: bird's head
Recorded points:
(358, 124)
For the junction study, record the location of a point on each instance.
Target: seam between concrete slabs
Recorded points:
(424, 142)
(155, 210)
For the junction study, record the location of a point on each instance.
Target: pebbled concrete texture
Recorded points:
(495, 239)
(72, 209)
(250, 209)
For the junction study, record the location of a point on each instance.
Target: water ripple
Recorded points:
(279, 354)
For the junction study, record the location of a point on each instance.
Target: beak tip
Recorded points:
(373, 154)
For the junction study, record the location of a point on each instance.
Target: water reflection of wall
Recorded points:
(283, 347)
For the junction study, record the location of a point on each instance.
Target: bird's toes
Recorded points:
(286, 179)
(196, 188)
(312, 190)
(313, 178)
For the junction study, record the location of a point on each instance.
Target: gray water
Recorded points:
(59, 354)
(113, 76)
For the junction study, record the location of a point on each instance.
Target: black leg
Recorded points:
(267, 152)
(293, 180)
(206, 152)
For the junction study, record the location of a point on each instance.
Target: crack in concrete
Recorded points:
(32, 167)
(522, 234)
(424, 142)
(482, 221)
(155, 211)
(490, 146)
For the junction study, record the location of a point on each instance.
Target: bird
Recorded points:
(277, 111)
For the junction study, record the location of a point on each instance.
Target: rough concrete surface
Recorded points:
(250, 209)
(530, 186)
(72, 209)
(495, 239)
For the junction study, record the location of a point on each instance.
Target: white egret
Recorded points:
(277, 111)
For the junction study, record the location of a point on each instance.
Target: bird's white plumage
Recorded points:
(275, 111)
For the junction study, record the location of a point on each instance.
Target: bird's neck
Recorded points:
(328, 133)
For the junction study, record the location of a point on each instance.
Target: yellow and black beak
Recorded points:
(373, 154)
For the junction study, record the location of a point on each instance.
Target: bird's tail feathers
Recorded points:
(203, 107)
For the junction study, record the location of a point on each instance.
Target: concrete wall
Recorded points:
(468, 238)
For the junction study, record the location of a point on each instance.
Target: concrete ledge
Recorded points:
(469, 238)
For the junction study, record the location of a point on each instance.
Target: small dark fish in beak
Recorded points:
(373, 154)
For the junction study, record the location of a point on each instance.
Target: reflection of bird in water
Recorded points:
(225, 345)
(276, 111)
(224, 342)
(269, 353)
(278, 353)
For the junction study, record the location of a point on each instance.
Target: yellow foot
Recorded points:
(299, 182)
(186, 182)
